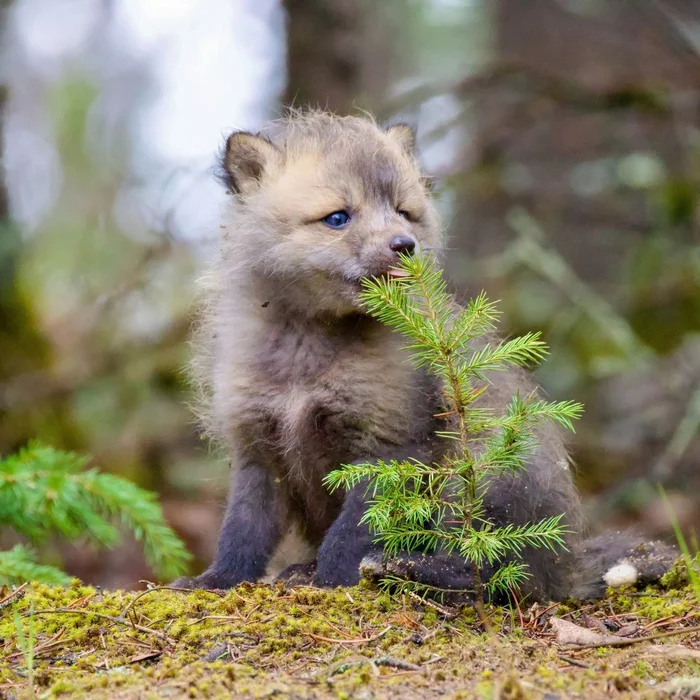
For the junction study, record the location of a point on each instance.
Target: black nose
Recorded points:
(402, 244)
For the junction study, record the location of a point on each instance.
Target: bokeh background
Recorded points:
(564, 137)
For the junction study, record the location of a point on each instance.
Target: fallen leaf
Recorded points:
(145, 657)
(569, 633)
(628, 630)
(593, 623)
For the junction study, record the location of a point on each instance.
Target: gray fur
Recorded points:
(294, 379)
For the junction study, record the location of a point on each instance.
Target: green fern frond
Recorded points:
(19, 564)
(46, 492)
(141, 514)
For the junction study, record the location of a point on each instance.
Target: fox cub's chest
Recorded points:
(329, 401)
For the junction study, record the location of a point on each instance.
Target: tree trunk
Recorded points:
(339, 53)
(577, 97)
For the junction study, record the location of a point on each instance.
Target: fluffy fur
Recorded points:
(295, 379)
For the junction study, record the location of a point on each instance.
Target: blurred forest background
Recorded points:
(564, 136)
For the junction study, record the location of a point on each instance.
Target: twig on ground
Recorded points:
(220, 618)
(140, 595)
(361, 640)
(638, 640)
(13, 596)
(396, 663)
(574, 662)
(47, 645)
(110, 618)
(432, 604)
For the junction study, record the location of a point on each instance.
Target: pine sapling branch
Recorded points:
(440, 506)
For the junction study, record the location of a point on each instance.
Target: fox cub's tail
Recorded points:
(617, 559)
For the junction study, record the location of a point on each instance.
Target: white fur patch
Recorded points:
(622, 574)
(293, 549)
(563, 464)
(372, 566)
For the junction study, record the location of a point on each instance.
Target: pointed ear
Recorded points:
(404, 136)
(246, 160)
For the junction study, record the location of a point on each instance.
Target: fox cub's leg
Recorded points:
(346, 543)
(251, 530)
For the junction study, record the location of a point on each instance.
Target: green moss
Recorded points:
(262, 641)
(654, 605)
(678, 577)
(643, 670)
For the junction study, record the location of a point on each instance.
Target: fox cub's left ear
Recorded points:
(404, 136)
(247, 159)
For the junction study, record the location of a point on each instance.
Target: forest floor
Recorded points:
(261, 641)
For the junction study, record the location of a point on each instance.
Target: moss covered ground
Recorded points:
(260, 641)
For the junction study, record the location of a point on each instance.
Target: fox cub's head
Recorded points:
(321, 202)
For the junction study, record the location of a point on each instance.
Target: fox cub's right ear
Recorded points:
(246, 160)
(404, 135)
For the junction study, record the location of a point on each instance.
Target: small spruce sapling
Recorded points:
(416, 506)
(45, 492)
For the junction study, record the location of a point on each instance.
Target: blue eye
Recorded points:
(403, 213)
(337, 219)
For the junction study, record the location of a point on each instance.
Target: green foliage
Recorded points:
(419, 506)
(19, 564)
(47, 492)
(691, 559)
(26, 645)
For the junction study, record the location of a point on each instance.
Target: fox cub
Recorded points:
(296, 379)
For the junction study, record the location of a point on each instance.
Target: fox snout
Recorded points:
(402, 244)
(382, 255)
